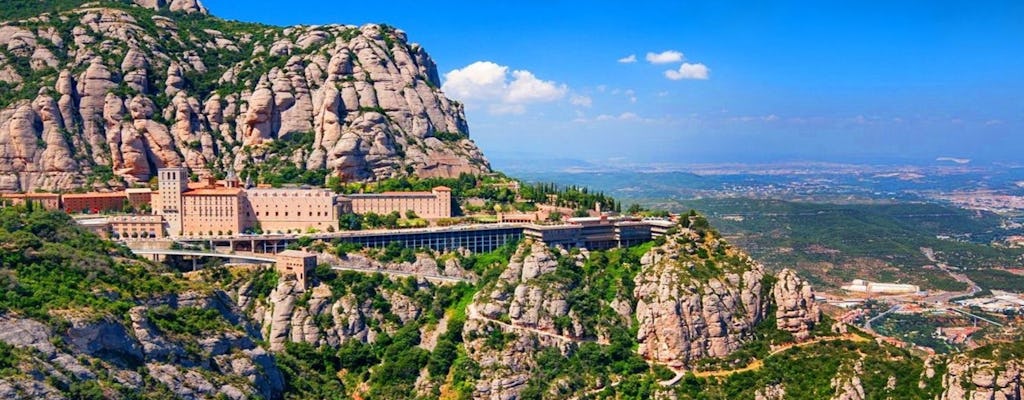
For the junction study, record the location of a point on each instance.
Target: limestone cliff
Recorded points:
(105, 93)
(795, 312)
(983, 378)
(137, 354)
(696, 298)
(326, 315)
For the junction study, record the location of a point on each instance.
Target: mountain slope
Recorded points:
(107, 92)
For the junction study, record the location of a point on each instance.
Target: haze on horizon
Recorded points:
(673, 81)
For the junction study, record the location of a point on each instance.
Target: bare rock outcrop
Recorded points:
(363, 102)
(224, 362)
(847, 384)
(796, 312)
(688, 309)
(969, 378)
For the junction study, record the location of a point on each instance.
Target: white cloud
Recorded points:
(489, 84)
(479, 80)
(688, 71)
(582, 101)
(526, 88)
(628, 59)
(665, 57)
(631, 95)
(626, 116)
(505, 108)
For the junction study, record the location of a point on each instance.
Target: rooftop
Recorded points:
(30, 195)
(91, 195)
(295, 254)
(215, 191)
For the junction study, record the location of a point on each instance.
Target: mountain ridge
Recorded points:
(103, 94)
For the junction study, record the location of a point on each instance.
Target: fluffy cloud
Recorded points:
(688, 71)
(526, 88)
(489, 84)
(628, 59)
(665, 57)
(582, 101)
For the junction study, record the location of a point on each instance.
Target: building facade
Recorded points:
(212, 211)
(49, 201)
(171, 184)
(94, 202)
(213, 208)
(298, 263)
(137, 226)
(282, 210)
(434, 204)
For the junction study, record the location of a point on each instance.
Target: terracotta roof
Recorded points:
(218, 191)
(30, 195)
(391, 194)
(442, 189)
(92, 195)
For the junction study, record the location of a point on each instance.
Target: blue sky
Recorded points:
(729, 81)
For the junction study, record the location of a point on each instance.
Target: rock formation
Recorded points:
(329, 318)
(980, 378)
(227, 363)
(796, 312)
(686, 310)
(127, 90)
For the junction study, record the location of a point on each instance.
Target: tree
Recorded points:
(410, 214)
(554, 216)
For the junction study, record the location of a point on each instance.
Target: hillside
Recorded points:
(103, 93)
(82, 319)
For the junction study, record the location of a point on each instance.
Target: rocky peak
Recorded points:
(185, 6)
(796, 312)
(361, 103)
(688, 307)
(981, 378)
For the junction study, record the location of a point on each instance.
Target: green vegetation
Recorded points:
(277, 169)
(831, 244)
(47, 262)
(807, 373)
(997, 279)
(916, 329)
(187, 320)
(450, 136)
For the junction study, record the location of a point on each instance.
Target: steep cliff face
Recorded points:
(795, 312)
(136, 355)
(108, 91)
(328, 314)
(530, 307)
(696, 298)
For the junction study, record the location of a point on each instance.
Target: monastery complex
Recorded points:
(211, 207)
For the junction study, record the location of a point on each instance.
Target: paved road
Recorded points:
(946, 297)
(258, 259)
(867, 324)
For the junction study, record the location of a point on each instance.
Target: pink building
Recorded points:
(434, 204)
